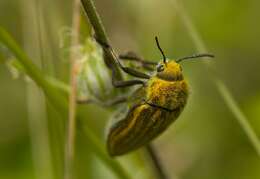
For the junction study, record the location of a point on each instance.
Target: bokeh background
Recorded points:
(206, 142)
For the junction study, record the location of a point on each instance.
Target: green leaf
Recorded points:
(58, 99)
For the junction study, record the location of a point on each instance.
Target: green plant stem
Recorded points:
(71, 127)
(57, 95)
(102, 154)
(100, 34)
(36, 102)
(229, 100)
(221, 87)
(156, 162)
(95, 20)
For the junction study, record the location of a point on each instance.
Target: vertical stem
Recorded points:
(156, 162)
(37, 119)
(100, 34)
(70, 145)
(228, 98)
(95, 20)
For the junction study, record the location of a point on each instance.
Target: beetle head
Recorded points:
(171, 70)
(168, 70)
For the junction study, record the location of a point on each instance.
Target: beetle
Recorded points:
(152, 107)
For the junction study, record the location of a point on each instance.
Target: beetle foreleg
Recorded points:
(128, 70)
(106, 104)
(121, 84)
(132, 56)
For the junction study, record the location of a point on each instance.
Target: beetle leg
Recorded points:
(161, 107)
(134, 72)
(132, 56)
(128, 70)
(109, 103)
(122, 84)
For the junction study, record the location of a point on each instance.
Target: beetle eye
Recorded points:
(160, 68)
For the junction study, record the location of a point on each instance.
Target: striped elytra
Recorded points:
(159, 103)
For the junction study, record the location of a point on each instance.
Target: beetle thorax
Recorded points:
(167, 94)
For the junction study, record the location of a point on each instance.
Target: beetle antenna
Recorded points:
(159, 47)
(195, 56)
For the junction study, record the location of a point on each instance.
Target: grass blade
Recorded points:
(59, 101)
(221, 87)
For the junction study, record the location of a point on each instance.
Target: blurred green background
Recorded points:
(206, 142)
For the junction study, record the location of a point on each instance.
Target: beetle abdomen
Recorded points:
(142, 123)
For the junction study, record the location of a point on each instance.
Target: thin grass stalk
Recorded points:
(221, 86)
(37, 118)
(156, 162)
(100, 34)
(70, 145)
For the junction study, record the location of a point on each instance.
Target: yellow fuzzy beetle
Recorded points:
(152, 107)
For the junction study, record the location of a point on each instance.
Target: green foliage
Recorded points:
(57, 99)
(94, 79)
(206, 142)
